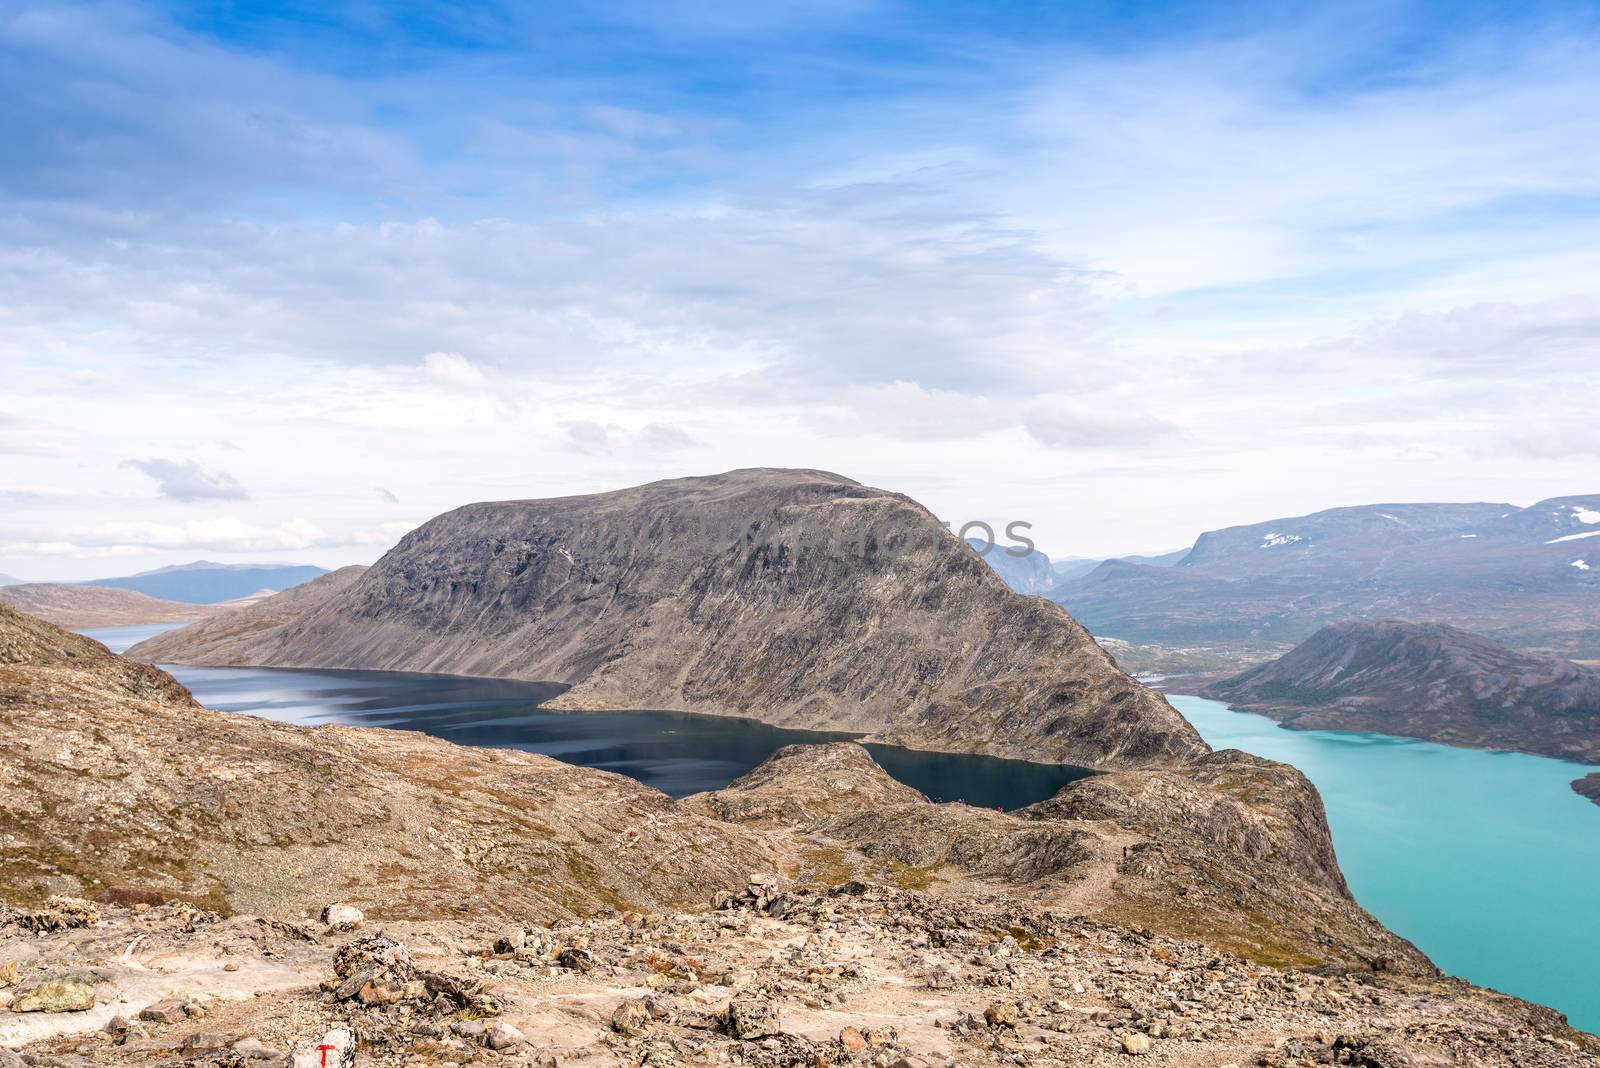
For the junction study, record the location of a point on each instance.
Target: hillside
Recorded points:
(1430, 681)
(205, 582)
(71, 605)
(510, 891)
(1522, 575)
(797, 597)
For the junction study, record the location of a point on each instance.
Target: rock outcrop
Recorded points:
(1588, 786)
(797, 597)
(1429, 681)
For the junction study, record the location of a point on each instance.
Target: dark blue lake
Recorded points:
(675, 752)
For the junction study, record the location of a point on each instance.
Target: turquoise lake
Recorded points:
(1488, 861)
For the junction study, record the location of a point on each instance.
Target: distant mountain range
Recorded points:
(1029, 573)
(7, 580)
(78, 606)
(1077, 566)
(1527, 576)
(205, 582)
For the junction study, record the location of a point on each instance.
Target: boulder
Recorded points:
(64, 994)
(501, 1036)
(374, 970)
(749, 1018)
(1136, 1045)
(169, 1011)
(342, 918)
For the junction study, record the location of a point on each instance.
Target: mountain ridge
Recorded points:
(801, 598)
(1521, 575)
(1430, 681)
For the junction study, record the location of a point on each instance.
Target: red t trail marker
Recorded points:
(323, 1049)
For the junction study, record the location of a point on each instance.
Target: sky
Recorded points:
(281, 281)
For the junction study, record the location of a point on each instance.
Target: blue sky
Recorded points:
(1123, 271)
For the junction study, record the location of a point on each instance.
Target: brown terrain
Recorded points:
(800, 598)
(1429, 681)
(518, 911)
(72, 605)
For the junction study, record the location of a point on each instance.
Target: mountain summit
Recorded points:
(801, 598)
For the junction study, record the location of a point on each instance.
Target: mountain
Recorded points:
(1430, 681)
(1077, 566)
(800, 598)
(71, 605)
(7, 580)
(204, 582)
(1523, 575)
(1029, 573)
(522, 904)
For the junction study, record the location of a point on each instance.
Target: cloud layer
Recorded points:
(1123, 280)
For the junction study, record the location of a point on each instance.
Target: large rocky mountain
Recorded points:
(207, 582)
(1193, 913)
(1526, 576)
(1430, 681)
(797, 597)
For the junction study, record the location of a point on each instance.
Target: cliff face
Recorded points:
(797, 597)
(1429, 681)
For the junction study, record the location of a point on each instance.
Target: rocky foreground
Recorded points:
(800, 598)
(774, 975)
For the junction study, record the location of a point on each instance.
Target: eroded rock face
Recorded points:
(798, 597)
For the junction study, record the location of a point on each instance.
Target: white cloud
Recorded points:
(455, 370)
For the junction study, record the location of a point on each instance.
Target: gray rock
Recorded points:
(502, 1036)
(750, 1018)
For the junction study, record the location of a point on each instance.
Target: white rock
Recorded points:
(342, 917)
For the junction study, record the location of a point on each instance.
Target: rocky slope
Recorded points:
(111, 774)
(231, 636)
(1525, 576)
(778, 976)
(557, 912)
(796, 597)
(71, 605)
(1429, 681)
